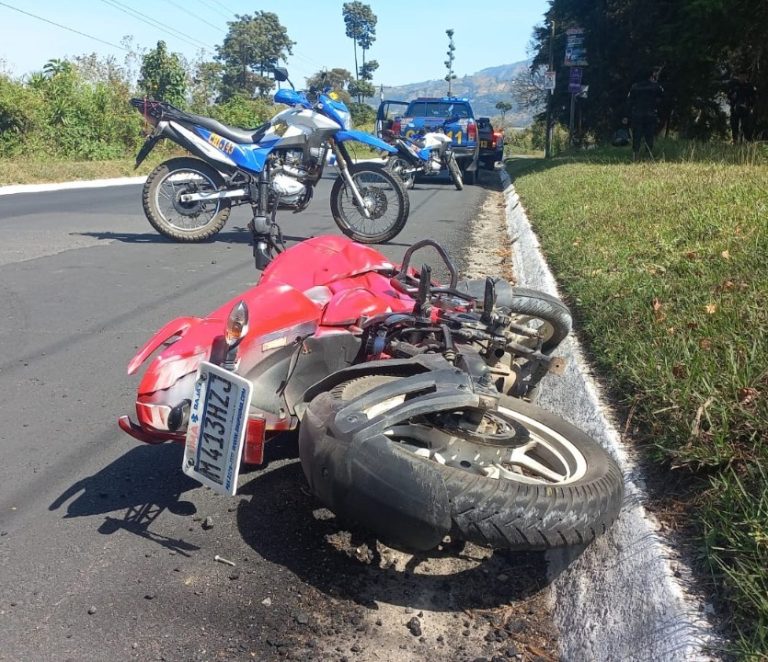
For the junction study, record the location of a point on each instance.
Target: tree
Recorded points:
(360, 22)
(206, 83)
(163, 75)
(450, 76)
(503, 107)
(56, 66)
(337, 79)
(253, 47)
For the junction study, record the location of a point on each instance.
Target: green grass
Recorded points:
(665, 264)
(32, 170)
(38, 171)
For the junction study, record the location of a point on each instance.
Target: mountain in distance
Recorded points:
(484, 90)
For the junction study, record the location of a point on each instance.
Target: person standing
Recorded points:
(643, 103)
(741, 98)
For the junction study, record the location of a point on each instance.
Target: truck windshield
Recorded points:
(437, 109)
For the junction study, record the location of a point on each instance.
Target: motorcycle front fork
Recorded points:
(342, 161)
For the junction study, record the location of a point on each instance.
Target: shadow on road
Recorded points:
(143, 483)
(283, 523)
(236, 235)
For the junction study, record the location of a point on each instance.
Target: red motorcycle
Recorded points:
(412, 399)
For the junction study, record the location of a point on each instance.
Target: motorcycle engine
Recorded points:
(288, 189)
(434, 164)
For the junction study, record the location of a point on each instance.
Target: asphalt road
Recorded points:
(103, 553)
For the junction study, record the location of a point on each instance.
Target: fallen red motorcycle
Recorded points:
(412, 399)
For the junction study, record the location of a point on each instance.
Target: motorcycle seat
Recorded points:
(233, 133)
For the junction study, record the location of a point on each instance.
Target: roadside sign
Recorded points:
(575, 51)
(550, 79)
(574, 80)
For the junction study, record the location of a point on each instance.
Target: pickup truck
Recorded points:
(491, 143)
(410, 118)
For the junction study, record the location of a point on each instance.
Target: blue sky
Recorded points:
(410, 45)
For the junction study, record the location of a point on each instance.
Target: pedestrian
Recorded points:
(741, 98)
(643, 102)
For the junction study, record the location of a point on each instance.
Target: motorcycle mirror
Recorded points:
(280, 74)
(489, 300)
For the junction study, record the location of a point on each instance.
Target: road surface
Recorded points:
(103, 549)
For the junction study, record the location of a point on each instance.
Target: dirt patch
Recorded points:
(489, 252)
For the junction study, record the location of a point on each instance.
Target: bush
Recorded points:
(362, 113)
(241, 111)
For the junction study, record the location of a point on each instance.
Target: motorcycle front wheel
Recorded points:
(455, 172)
(514, 477)
(384, 198)
(178, 220)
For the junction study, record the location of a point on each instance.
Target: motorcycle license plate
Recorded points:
(216, 431)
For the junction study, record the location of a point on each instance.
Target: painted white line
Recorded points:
(63, 186)
(628, 595)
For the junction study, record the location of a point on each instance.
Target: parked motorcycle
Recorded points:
(428, 154)
(274, 165)
(411, 398)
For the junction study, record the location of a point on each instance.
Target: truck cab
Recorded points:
(453, 115)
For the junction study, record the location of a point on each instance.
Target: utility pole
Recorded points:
(449, 62)
(548, 136)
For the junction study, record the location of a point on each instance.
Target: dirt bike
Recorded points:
(428, 155)
(274, 166)
(412, 399)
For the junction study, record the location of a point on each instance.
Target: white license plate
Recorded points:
(218, 419)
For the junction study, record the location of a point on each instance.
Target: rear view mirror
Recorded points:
(280, 74)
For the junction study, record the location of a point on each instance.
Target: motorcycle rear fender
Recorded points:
(366, 138)
(147, 147)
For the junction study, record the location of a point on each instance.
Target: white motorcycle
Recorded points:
(275, 165)
(427, 154)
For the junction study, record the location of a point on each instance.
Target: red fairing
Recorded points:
(327, 281)
(169, 377)
(324, 260)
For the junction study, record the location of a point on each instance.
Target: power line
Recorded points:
(134, 13)
(212, 7)
(192, 14)
(223, 6)
(64, 27)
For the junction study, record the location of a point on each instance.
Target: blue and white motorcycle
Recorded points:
(275, 165)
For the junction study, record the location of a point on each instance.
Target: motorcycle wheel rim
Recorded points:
(381, 199)
(539, 456)
(197, 214)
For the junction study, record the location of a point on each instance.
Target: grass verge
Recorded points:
(39, 171)
(665, 264)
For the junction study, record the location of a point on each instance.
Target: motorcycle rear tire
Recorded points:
(396, 165)
(494, 512)
(455, 173)
(402, 201)
(164, 226)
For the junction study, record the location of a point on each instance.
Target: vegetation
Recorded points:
(664, 265)
(253, 46)
(163, 76)
(360, 26)
(698, 45)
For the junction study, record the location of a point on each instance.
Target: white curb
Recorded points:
(627, 596)
(62, 186)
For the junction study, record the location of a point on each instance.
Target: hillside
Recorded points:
(484, 89)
